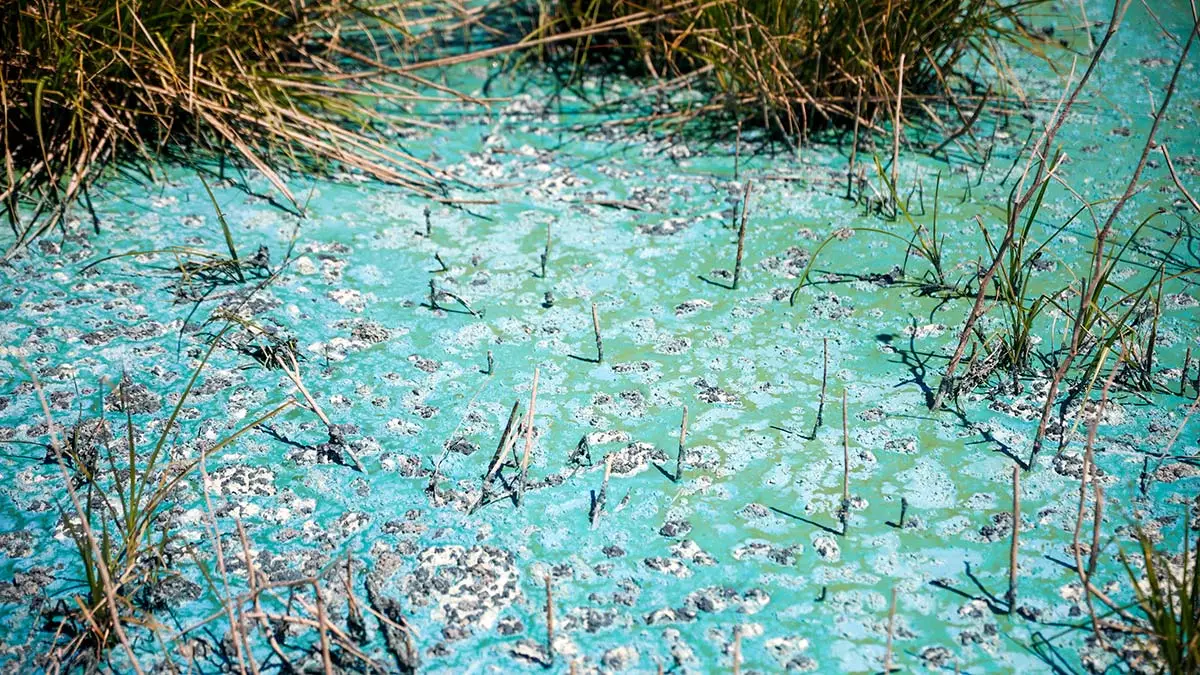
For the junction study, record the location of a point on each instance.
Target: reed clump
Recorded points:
(787, 65)
(268, 85)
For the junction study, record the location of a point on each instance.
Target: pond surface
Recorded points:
(643, 227)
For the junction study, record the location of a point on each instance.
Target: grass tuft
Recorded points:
(270, 84)
(789, 65)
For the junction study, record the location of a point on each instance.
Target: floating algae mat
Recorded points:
(417, 331)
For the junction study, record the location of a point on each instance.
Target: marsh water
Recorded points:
(644, 226)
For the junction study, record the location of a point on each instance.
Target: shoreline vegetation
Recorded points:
(323, 87)
(313, 88)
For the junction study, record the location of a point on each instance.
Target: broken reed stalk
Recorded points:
(682, 445)
(549, 619)
(598, 506)
(596, 329)
(433, 304)
(428, 223)
(546, 251)
(844, 512)
(1089, 300)
(1016, 529)
(491, 363)
(528, 439)
(497, 458)
(824, 381)
(741, 246)
(291, 368)
(887, 657)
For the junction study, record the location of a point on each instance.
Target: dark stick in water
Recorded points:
(844, 512)
(598, 505)
(741, 248)
(549, 619)
(1016, 528)
(1187, 365)
(824, 380)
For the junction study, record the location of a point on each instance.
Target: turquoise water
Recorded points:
(748, 540)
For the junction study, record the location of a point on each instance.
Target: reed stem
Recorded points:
(683, 426)
(528, 438)
(599, 340)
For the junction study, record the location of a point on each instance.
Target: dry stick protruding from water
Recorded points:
(682, 445)
(844, 511)
(1088, 300)
(528, 439)
(887, 657)
(596, 329)
(598, 504)
(491, 363)
(1086, 477)
(1016, 529)
(291, 368)
(546, 251)
(549, 619)
(1187, 365)
(741, 246)
(824, 380)
(428, 223)
(737, 650)
(1020, 198)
